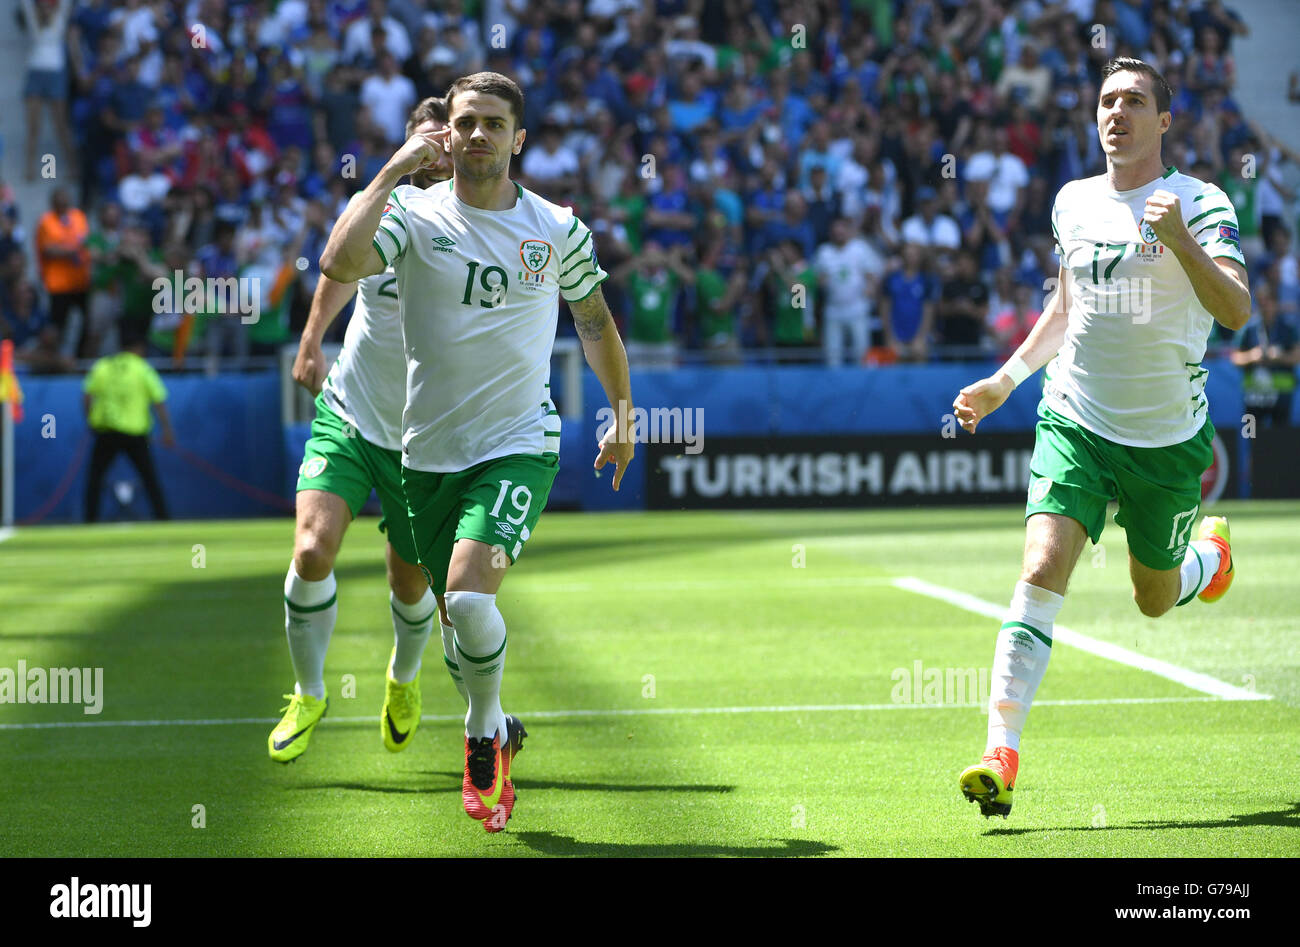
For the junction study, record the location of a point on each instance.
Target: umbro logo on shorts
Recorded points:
(505, 530)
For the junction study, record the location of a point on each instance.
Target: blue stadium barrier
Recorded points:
(234, 458)
(229, 460)
(810, 400)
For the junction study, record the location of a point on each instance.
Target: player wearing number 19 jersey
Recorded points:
(355, 446)
(481, 265)
(1150, 258)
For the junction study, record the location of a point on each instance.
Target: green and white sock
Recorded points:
(481, 654)
(412, 625)
(1200, 564)
(449, 659)
(310, 610)
(1019, 661)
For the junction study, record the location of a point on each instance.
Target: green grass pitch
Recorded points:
(624, 629)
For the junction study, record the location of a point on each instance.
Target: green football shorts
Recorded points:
(1075, 472)
(338, 460)
(497, 502)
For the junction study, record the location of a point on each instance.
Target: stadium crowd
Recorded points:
(847, 180)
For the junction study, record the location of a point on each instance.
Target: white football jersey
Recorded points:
(1130, 368)
(478, 292)
(367, 384)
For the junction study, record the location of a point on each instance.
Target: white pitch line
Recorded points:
(6, 532)
(1103, 649)
(625, 712)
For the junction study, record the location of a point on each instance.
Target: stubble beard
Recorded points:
(492, 172)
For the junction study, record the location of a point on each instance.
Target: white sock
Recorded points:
(412, 625)
(310, 610)
(481, 654)
(1199, 566)
(1023, 649)
(449, 659)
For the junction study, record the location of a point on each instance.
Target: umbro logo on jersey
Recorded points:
(444, 244)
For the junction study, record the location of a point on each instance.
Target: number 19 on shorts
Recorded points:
(521, 498)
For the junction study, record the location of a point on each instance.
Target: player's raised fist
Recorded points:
(1165, 214)
(421, 150)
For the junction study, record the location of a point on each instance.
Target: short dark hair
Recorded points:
(1129, 64)
(432, 109)
(490, 83)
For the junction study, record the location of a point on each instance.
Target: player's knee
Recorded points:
(475, 617)
(313, 557)
(407, 582)
(1150, 603)
(1044, 575)
(469, 608)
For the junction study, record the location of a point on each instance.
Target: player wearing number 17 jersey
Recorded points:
(1150, 258)
(481, 265)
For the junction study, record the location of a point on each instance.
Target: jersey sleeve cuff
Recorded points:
(595, 286)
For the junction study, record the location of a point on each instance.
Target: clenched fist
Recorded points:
(1165, 214)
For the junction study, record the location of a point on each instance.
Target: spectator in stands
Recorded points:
(138, 266)
(550, 165)
(963, 310)
(1012, 323)
(1210, 68)
(669, 221)
(142, 193)
(822, 202)
(105, 278)
(1226, 23)
(793, 225)
(336, 112)
(64, 263)
(226, 332)
(984, 230)
(790, 281)
(718, 290)
(928, 227)
(389, 98)
(1028, 82)
(992, 162)
(359, 43)
(11, 232)
(119, 392)
(47, 75)
(1283, 271)
(22, 319)
(1268, 353)
(848, 272)
(653, 281)
(907, 313)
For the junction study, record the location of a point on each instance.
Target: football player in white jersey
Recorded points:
(1150, 258)
(355, 445)
(481, 265)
